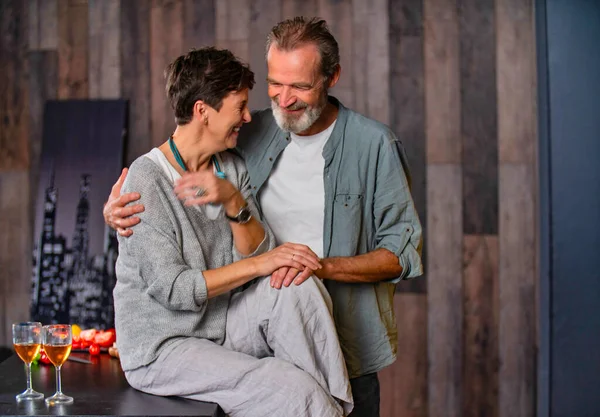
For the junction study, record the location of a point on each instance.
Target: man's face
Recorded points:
(296, 87)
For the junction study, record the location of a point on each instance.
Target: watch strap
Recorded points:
(242, 217)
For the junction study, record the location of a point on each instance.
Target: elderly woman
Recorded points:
(195, 315)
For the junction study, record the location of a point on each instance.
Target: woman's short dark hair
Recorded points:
(206, 74)
(299, 31)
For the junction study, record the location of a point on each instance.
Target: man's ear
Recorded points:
(335, 76)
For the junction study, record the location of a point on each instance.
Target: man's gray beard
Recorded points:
(299, 125)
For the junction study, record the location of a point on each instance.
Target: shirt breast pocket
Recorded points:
(348, 224)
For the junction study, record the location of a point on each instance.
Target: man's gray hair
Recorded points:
(299, 31)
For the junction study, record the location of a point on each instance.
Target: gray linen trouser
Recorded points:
(280, 357)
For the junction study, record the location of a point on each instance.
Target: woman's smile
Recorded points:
(236, 130)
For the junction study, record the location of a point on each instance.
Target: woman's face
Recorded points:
(224, 125)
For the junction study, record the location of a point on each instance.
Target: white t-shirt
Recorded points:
(210, 210)
(293, 198)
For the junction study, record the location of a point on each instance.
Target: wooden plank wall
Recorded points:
(455, 79)
(15, 216)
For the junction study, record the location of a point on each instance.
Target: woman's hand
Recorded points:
(291, 255)
(199, 188)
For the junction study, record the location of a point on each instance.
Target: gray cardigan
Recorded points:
(161, 294)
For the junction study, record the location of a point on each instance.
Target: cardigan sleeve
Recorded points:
(154, 248)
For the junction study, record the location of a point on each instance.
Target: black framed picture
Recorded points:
(74, 251)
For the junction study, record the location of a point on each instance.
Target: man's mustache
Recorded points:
(298, 105)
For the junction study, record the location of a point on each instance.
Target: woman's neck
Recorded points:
(189, 144)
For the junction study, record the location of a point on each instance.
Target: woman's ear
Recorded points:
(199, 111)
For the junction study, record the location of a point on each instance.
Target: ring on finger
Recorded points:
(293, 254)
(200, 192)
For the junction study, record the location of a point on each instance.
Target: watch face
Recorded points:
(244, 215)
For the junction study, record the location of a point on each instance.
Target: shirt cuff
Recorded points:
(409, 259)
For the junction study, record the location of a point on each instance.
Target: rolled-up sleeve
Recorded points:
(396, 220)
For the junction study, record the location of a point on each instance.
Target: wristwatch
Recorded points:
(242, 217)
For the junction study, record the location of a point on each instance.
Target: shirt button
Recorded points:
(270, 159)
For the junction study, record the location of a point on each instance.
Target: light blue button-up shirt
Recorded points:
(368, 206)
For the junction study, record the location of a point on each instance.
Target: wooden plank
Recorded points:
(442, 81)
(371, 56)
(338, 15)
(48, 29)
(222, 24)
(404, 383)
(34, 24)
(444, 289)
(480, 326)
(233, 27)
(43, 25)
(478, 116)
(73, 49)
(43, 85)
(515, 51)
(378, 54)
(517, 289)
(135, 75)
(407, 104)
(406, 18)
(239, 28)
(516, 75)
(293, 8)
(104, 52)
(15, 251)
(198, 24)
(4, 324)
(14, 150)
(360, 30)
(264, 14)
(166, 44)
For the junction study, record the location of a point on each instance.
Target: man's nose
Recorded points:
(286, 97)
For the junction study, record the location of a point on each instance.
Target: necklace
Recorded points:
(179, 159)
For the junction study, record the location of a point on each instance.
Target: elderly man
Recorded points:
(337, 181)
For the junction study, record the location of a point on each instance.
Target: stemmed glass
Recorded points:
(27, 338)
(57, 345)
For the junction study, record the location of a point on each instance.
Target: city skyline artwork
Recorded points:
(74, 252)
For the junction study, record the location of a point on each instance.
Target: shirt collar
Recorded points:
(337, 136)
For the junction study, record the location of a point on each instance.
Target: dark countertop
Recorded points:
(99, 389)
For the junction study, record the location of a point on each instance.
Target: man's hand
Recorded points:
(290, 255)
(284, 276)
(116, 215)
